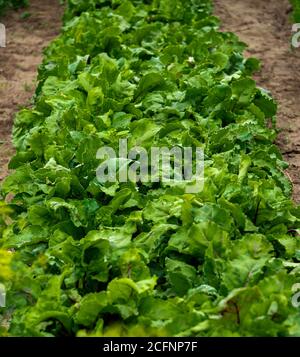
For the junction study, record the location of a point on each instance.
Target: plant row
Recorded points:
(85, 258)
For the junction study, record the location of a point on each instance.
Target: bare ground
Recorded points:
(265, 26)
(19, 61)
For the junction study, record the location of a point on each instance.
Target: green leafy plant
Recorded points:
(5, 4)
(124, 259)
(296, 10)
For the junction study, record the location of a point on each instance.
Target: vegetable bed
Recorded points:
(81, 258)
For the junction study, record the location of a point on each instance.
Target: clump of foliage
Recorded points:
(296, 10)
(15, 4)
(83, 258)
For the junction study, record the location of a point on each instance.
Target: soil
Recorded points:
(265, 26)
(28, 31)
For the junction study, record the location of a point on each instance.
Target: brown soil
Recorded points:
(26, 39)
(265, 26)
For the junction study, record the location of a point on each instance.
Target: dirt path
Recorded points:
(264, 25)
(26, 39)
